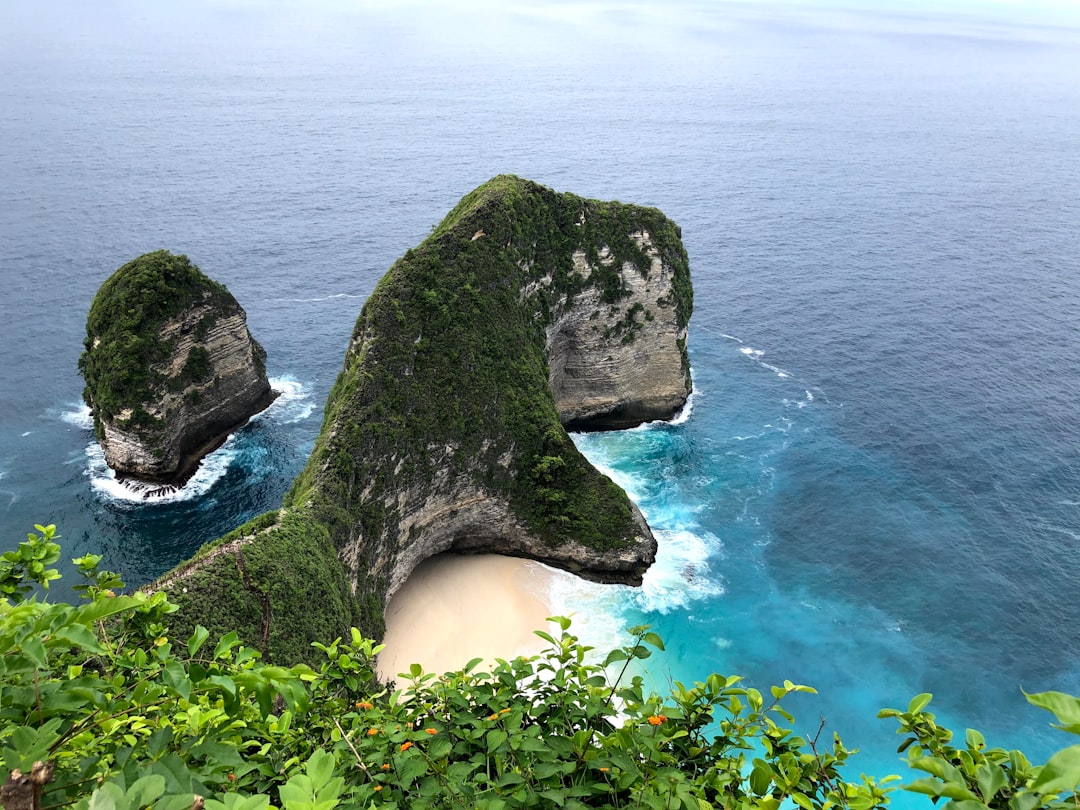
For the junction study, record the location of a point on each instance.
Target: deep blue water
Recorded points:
(878, 489)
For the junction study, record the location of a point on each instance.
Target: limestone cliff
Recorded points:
(524, 310)
(170, 368)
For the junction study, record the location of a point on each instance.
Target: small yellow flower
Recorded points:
(378, 787)
(494, 716)
(605, 770)
(656, 720)
(405, 746)
(431, 730)
(371, 732)
(504, 711)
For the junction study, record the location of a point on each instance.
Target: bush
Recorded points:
(101, 707)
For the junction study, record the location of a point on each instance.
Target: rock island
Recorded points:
(170, 368)
(524, 313)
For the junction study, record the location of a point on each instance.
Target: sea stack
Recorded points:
(525, 312)
(170, 368)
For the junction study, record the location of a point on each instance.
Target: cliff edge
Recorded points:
(525, 311)
(170, 368)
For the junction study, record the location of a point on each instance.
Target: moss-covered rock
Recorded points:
(170, 367)
(443, 432)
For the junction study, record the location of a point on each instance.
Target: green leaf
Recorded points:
(198, 638)
(176, 679)
(495, 738)
(105, 606)
(545, 636)
(760, 778)
(991, 779)
(320, 767)
(34, 650)
(1066, 708)
(107, 797)
(145, 791)
(78, 635)
(918, 703)
(225, 645)
(654, 639)
(1061, 772)
(409, 768)
(297, 793)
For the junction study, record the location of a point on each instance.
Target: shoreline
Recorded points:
(454, 608)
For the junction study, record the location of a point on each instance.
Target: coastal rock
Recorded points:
(620, 364)
(170, 368)
(525, 311)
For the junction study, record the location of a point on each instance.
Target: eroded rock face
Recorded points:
(601, 383)
(171, 368)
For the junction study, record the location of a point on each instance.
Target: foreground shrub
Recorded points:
(101, 708)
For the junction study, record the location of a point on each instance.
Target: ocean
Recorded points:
(875, 489)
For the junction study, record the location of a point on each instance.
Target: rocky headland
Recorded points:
(525, 312)
(170, 368)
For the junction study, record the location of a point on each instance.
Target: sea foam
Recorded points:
(104, 482)
(293, 404)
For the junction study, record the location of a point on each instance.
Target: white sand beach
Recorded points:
(455, 608)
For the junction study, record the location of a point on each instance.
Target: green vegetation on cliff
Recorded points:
(104, 705)
(445, 389)
(122, 333)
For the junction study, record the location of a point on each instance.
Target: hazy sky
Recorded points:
(516, 24)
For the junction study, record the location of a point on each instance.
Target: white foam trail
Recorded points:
(79, 417)
(103, 479)
(681, 573)
(752, 353)
(293, 403)
(318, 300)
(685, 412)
(777, 370)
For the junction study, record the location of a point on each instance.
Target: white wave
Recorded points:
(79, 416)
(293, 403)
(318, 300)
(594, 609)
(681, 572)
(685, 412)
(776, 370)
(730, 337)
(103, 479)
(24, 435)
(809, 396)
(754, 354)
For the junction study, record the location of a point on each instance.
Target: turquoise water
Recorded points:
(876, 490)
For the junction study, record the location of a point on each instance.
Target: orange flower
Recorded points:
(494, 716)
(504, 711)
(431, 730)
(405, 746)
(362, 704)
(604, 770)
(656, 719)
(386, 766)
(378, 787)
(371, 732)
